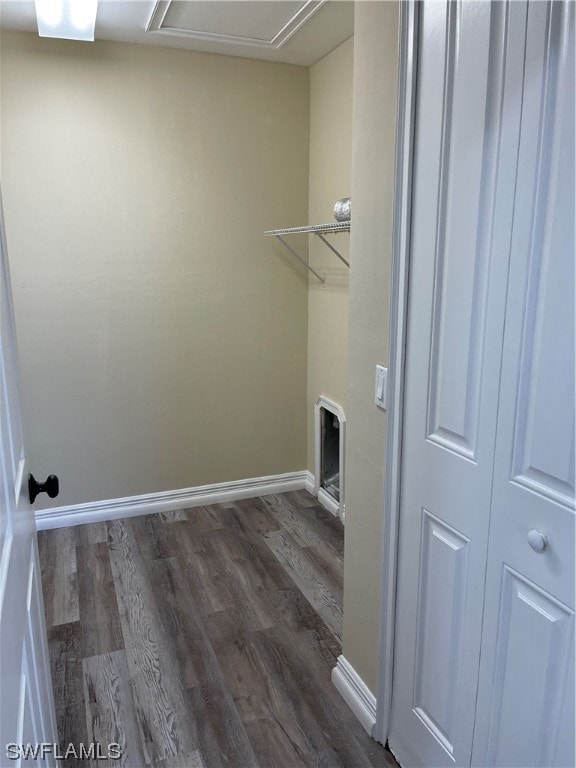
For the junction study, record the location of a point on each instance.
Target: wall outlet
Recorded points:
(381, 392)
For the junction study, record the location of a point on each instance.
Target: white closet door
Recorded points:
(470, 62)
(27, 713)
(525, 711)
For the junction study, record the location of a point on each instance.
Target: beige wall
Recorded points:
(158, 329)
(375, 73)
(330, 179)
(163, 339)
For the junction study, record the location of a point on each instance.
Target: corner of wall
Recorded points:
(331, 81)
(374, 126)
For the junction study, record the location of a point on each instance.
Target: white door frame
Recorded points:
(407, 69)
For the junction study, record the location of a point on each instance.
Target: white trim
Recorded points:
(19, 484)
(327, 501)
(406, 106)
(310, 482)
(112, 509)
(355, 693)
(302, 15)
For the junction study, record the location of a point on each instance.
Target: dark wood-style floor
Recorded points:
(203, 637)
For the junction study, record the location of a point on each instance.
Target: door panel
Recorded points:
(470, 60)
(460, 272)
(527, 676)
(534, 654)
(27, 721)
(12, 441)
(543, 288)
(439, 623)
(37, 648)
(26, 702)
(484, 658)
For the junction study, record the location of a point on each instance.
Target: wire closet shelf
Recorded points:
(314, 229)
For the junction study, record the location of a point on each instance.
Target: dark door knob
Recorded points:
(51, 487)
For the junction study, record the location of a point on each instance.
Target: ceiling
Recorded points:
(298, 32)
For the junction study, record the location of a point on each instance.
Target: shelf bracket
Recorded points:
(329, 244)
(293, 252)
(315, 229)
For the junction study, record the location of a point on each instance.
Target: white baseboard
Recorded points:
(328, 502)
(324, 499)
(355, 693)
(149, 503)
(310, 482)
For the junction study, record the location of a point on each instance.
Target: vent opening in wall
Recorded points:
(329, 480)
(330, 453)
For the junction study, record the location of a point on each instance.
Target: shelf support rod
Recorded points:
(329, 244)
(293, 252)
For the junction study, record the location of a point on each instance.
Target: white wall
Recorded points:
(163, 339)
(375, 76)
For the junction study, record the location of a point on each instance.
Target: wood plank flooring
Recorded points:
(203, 638)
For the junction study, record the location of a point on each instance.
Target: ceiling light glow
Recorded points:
(68, 19)
(50, 11)
(82, 13)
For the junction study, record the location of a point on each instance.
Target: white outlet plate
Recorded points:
(381, 387)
